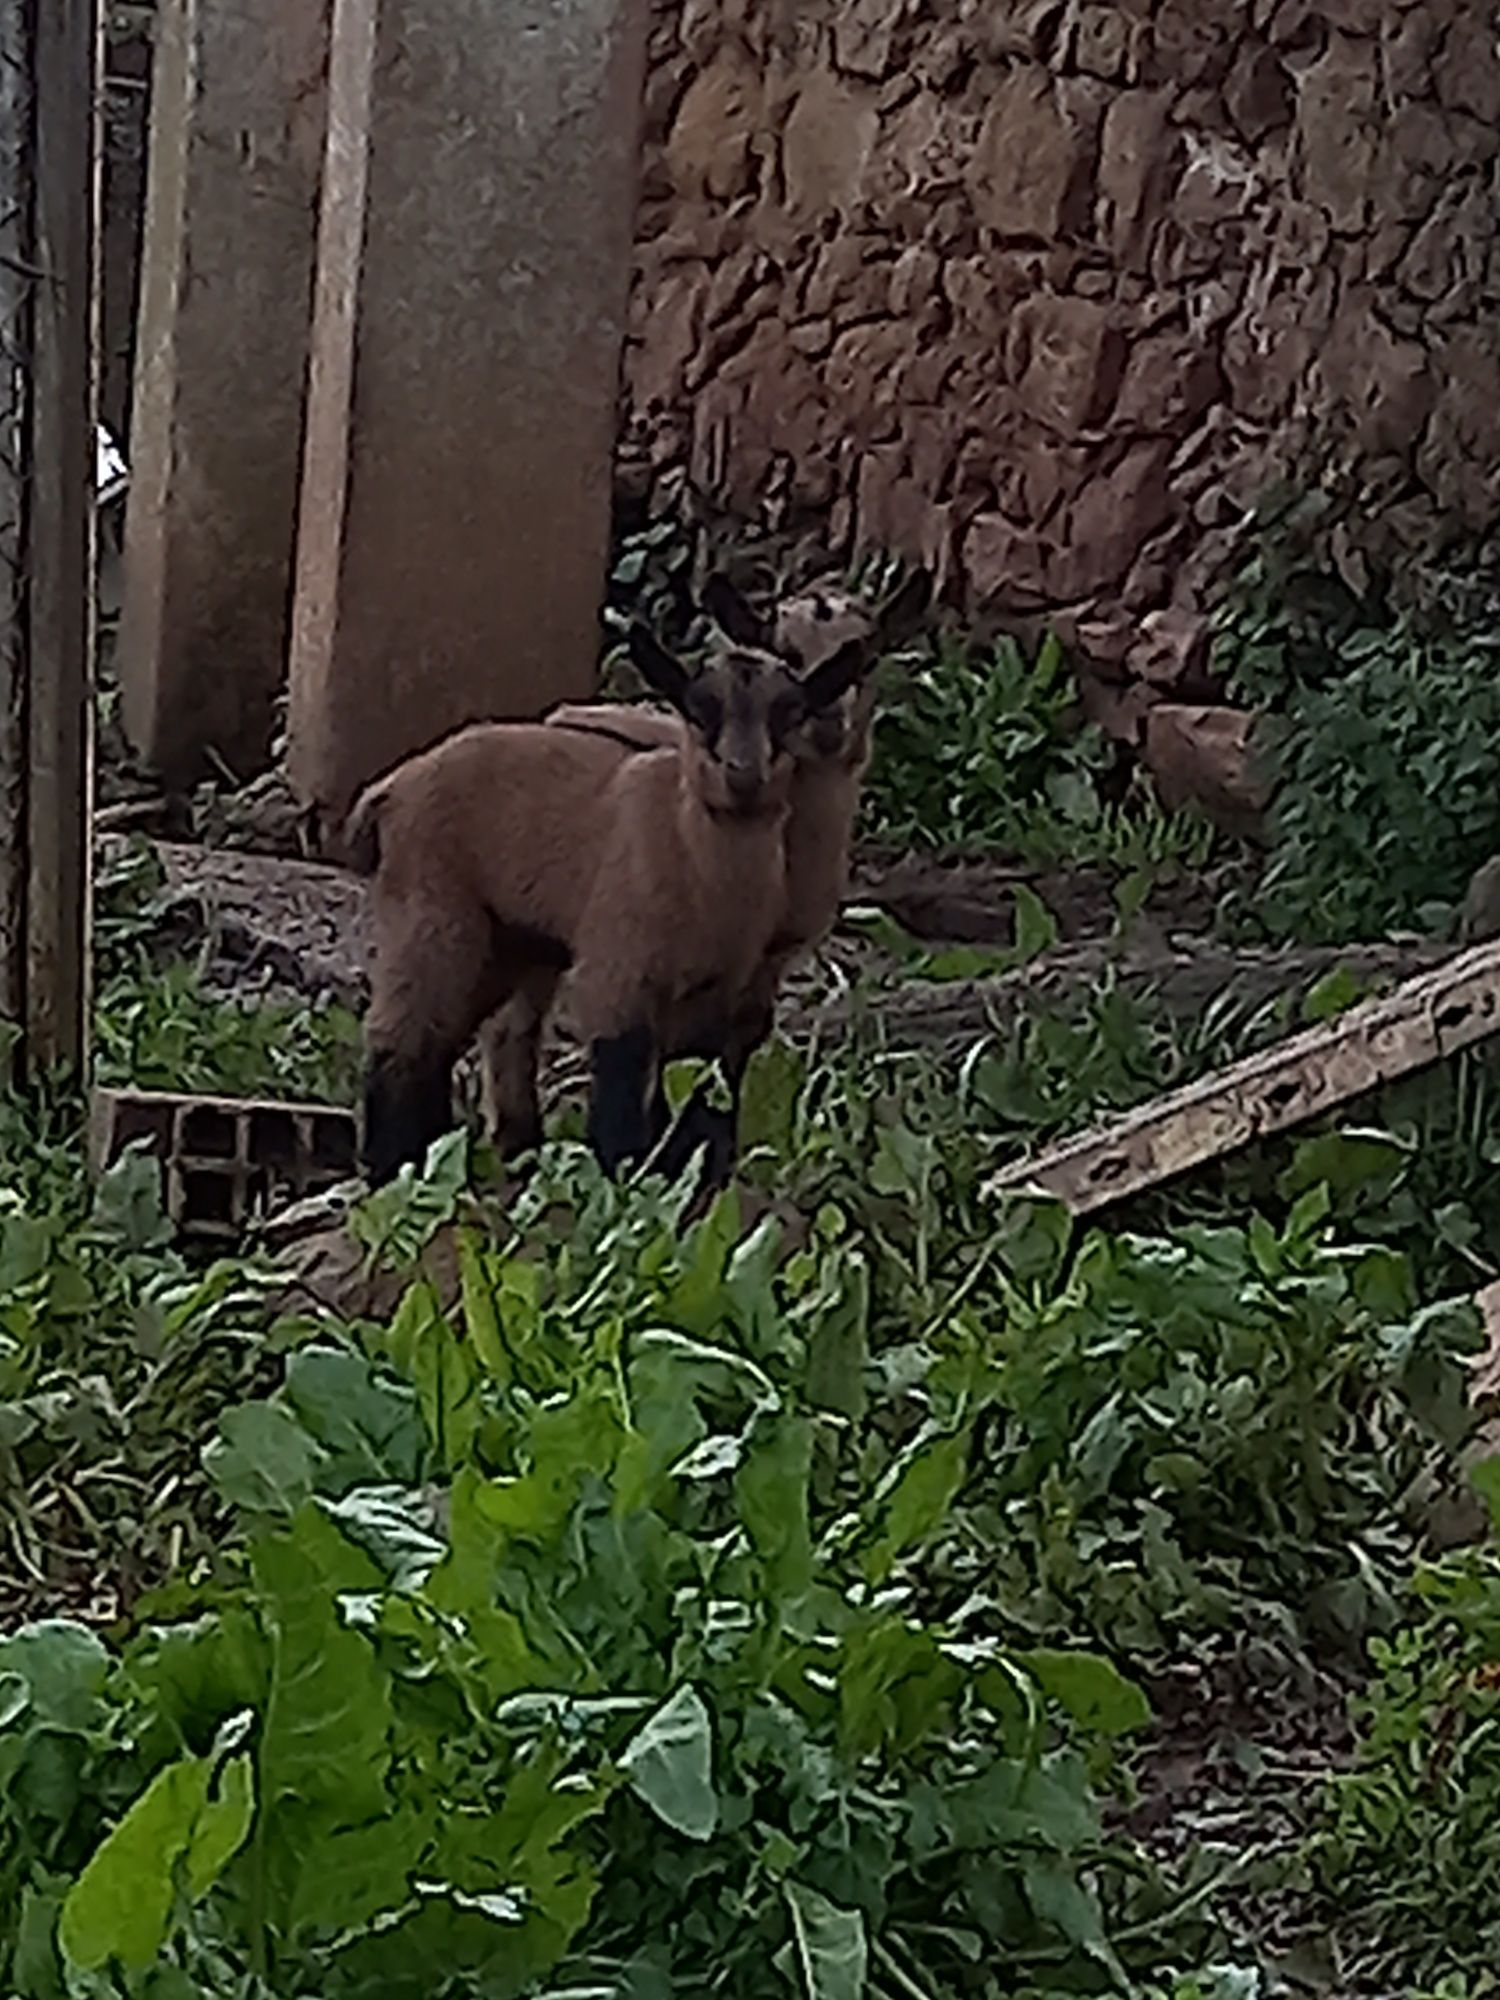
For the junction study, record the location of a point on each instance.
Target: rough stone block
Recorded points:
(473, 269)
(1203, 756)
(221, 361)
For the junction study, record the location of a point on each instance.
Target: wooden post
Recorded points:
(15, 404)
(48, 199)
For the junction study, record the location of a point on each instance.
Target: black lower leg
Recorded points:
(621, 1101)
(702, 1124)
(408, 1105)
(659, 1116)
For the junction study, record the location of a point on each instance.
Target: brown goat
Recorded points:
(831, 752)
(512, 852)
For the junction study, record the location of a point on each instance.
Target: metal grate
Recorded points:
(225, 1159)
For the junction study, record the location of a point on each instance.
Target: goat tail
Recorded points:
(362, 829)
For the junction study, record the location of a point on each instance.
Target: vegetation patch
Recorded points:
(1381, 738)
(984, 749)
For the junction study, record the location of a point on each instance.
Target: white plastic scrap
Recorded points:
(111, 473)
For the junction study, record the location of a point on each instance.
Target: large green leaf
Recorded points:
(63, 1667)
(829, 1944)
(262, 1460)
(771, 1488)
(326, 1734)
(669, 1762)
(920, 1499)
(895, 1686)
(444, 1370)
(121, 1905)
(369, 1427)
(1092, 1689)
(221, 1827)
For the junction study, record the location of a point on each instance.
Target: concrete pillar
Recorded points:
(473, 266)
(221, 361)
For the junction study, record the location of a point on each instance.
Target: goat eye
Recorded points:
(706, 711)
(786, 712)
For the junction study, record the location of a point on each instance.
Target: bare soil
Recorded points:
(303, 926)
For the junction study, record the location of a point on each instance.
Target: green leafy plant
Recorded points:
(165, 1030)
(987, 751)
(1410, 1848)
(1387, 785)
(1379, 738)
(159, 1025)
(652, 1692)
(113, 1353)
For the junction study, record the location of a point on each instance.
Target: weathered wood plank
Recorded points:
(60, 522)
(1431, 1016)
(15, 430)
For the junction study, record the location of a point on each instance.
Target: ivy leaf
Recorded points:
(669, 1762)
(831, 1951)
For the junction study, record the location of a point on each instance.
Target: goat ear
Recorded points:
(660, 670)
(901, 616)
(733, 616)
(834, 678)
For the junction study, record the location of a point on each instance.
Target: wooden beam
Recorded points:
(48, 201)
(15, 431)
(1427, 1018)
(60, 556)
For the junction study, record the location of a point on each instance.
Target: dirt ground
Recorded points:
(302, 926)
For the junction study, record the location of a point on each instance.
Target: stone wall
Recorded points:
(1045, 292)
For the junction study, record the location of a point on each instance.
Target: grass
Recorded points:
(769, 1604)
(160, 1024)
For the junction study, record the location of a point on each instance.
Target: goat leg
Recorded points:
(715, 1128)
(621, 1099)
(508, 1047)
(408, 1104)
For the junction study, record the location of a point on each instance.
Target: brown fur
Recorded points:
(511, 852)
(831, 751)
